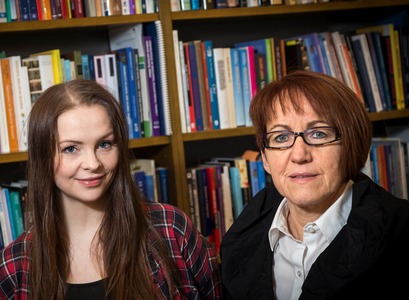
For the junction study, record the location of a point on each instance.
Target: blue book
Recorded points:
(245, 81)
(24, 8)
(204, 206)
(237, 85)
(16, 210)
(140, 181)
(261, 46)
(253, 176)
(85, 67)
(211, 80)
(236, 191)
(11, 217)
(163, 184)
(314, 55)
(382, 67)
(374, 160)
(123, 90)
(261, 174)
(133, 91)
(150, 187)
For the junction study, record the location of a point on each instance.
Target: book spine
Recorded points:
(194, 77)
(237, 87)
(211, 82)
(150, 68)
(190, 104)
(9, 104)
(133, 93)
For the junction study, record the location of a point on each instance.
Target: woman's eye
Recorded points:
(105, 145)
(69, 149)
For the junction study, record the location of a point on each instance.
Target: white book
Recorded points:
(4, 137)
(111, 76)
(229, 88)
(5, 218)
(99, 66)
(178, 69)
(220, 72)
(22, 101)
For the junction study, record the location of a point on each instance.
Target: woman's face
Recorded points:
(308, 176)
(86, 157)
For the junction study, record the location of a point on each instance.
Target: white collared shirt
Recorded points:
(293, 258)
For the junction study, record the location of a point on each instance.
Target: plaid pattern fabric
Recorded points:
(194, 259)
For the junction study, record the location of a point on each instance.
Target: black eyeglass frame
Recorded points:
(301, 134)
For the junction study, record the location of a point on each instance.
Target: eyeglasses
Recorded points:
(315, 136)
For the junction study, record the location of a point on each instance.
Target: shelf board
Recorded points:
(389, 115)
(218, 134)
(77, 22)
(284, 9)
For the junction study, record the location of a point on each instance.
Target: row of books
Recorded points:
(184, 5)
(388, 164)
(372, 61)
(152, 180)
(12, 218)
(219, 189)
(135, 73)
(37, 10)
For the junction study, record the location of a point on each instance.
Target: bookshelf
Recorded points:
(224, 27)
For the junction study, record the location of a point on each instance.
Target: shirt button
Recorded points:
(311, 229)
(299, 274)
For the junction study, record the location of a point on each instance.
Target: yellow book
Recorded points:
(56, 61)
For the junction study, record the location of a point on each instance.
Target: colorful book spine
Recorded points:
(237, 87)
(194, 77)
(150, 68)
(211, 83)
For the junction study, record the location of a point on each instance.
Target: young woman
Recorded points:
(90, 235)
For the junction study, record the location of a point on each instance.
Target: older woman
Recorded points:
(324, 230)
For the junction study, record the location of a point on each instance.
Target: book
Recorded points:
(368, 65)
(111, 76)
(40, 74)
(194, 86)
(9, 105)
(236, 191)
(149, 167)
(193, 197)
(344, 59)
(229, 88)
(237, 88)
(17, 212)
(206, 223)
(56, 57)
(388, 30)
(380, 73)
(162, 177)
(245, 81)
(5, 219)
(151, 79)
(127, 57)
(88, 71)
(155, 30)
(99, 66)
(76, 57)
(261, 46)
(210, 79)
(132, 36)
(201, 74)
(190, 105)
(4, 138)
(184, 118)
(220, 75)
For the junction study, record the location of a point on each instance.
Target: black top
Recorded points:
(86, 291)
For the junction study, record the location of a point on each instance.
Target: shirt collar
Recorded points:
(330, 222)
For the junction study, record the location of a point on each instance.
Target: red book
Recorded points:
(190, 92)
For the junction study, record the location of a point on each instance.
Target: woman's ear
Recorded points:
(265, 162)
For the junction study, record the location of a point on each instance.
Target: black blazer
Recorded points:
(367, 259)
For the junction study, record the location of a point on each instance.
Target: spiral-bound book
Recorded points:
(155, 30)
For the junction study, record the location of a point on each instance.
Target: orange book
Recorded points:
(8, 98)
(46, 9)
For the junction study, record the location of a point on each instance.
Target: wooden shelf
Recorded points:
(284, 9)
(389, 115)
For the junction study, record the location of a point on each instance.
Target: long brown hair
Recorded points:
(125, 228)
(336, 103)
